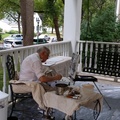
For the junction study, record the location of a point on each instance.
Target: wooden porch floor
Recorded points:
(110, 90)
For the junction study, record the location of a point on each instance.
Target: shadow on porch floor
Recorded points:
(110, 92)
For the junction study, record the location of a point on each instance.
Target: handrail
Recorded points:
(62, 48)
(98, 42)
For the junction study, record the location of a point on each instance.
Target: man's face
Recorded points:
(44, 56)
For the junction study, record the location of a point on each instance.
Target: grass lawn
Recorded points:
(1, 79)
(1, 76)
(4, 36)
(1, 70)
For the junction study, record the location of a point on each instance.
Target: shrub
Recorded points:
(1, 29)
(0, 37)
(12, 32)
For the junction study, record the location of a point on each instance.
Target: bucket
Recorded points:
(60, 88)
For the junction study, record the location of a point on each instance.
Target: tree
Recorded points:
(52, 12)
(99, 21)
(12, 13)
(27, 10)
(103, 25)
(47, 7)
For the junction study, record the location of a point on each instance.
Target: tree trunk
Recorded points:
(55, 21)
(52, 30)
(27, 11)
(19, 29)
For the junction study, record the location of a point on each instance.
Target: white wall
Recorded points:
(5, 26)
(118, 10)
(72, 20)
(35, 23)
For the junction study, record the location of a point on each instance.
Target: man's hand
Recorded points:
(45, 78)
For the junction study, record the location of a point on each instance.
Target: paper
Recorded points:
(53, 60)
(49, 63)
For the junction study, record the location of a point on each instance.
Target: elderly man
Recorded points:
(32, 69)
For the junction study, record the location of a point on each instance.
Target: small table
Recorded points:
(68, 106)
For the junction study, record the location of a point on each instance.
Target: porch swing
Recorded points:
(105, 61)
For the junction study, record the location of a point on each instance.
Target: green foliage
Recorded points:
(1, 75)
(102, 25)
(52, 9)
(12, 32)
(117, 32)
(0, 37)
(1, 29)
(39, 6)
(5, 35)
(10, 9)
(11, 5)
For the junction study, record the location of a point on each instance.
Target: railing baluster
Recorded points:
(91, 50)
(4, 73)
(81, 51)
(96, 51)
(86, 53)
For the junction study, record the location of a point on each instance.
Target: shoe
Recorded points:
(41, 110)
(49, 111)
(67, 117)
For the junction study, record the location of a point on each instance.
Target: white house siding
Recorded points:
(5, 26)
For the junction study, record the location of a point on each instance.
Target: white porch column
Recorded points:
(118, 10)
(72, 21)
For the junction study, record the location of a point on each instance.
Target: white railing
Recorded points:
(57, 49)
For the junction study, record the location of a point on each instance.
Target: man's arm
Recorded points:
(45, 78)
